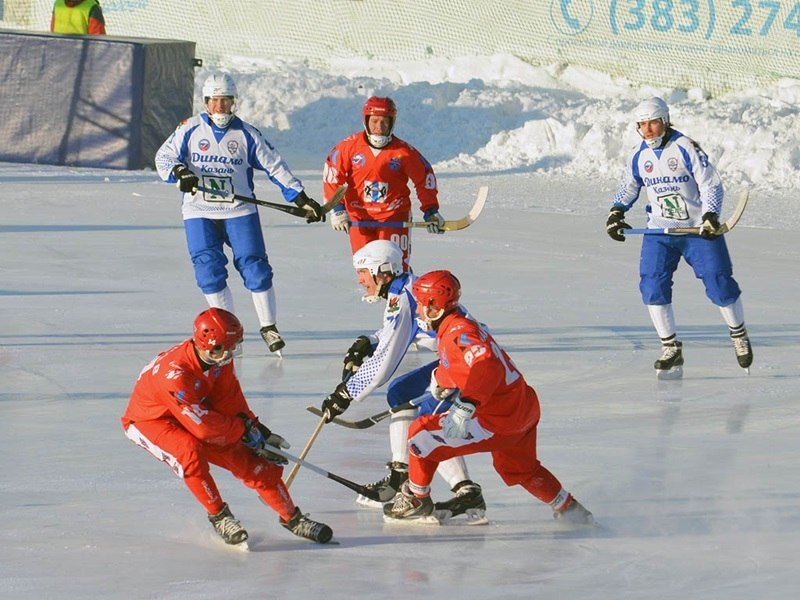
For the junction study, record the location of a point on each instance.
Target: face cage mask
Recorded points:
(222, 120)
(656, 141)
(223, 359)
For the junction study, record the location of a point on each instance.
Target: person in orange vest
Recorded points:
(78, 17)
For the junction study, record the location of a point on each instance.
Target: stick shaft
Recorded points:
(304, 453)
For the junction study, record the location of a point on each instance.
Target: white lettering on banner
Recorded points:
(716, 45)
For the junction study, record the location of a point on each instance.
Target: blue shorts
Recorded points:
(206, 239)
(414, 384)
(708, 258)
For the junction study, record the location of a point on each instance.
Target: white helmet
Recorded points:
(652, 109)
(220, 84)
(379, 256)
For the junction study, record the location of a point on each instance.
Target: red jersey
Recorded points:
(378, 180)
(470, 360)
(174, 386)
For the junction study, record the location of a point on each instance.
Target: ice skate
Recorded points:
(468, 501)
(228, 528)
(388, 487)
(410, 508)
(670, 365)
(744, 352)
(273, 339)
(574, 514)
(303, 527)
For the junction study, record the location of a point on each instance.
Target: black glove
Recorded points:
(710, 226)
(257, 436)
(187, 181)
(616, 223)
(360, 349)
(336, 403)
(311, 206)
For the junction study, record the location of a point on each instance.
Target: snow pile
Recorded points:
(499, 114)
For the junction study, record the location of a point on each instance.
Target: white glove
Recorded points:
(339, 219)
(456, 421)
(434, 220)
(440, 393)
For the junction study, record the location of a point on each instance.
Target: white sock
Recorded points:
(733, 314)
(663, 320)
(453, 470)
(398, 434)
(266, 307)
(222, 299)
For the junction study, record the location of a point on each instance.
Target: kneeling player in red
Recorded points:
(494, 410)
(187, 409)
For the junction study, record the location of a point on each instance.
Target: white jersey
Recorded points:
(681, 184)
(223, 159)
(400, 329)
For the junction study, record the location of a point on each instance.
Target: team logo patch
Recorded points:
(375, 191)
(204, 145)
(358, 160)
(393, 306)
(648, 167)
(233, 146)
(394, 164)
(672, 163)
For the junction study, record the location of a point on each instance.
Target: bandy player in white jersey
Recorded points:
(217, 150)
(683, 190)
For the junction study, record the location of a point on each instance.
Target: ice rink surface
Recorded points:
(695, 483)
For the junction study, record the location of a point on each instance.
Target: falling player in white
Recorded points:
(683, 190)
(219, 151)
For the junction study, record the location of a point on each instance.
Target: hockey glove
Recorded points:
(339, 219)
(257, 436)
(456, 421)
(336, 403)
(616, 223)
(710, 227)
(313, 210)
(434, 220)
(440, 393)
(186, 180)
(360, 349)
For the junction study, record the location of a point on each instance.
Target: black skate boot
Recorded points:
(388, 487)
(303, 527)
(741, 345)
(468, 501)
(272, 338)
(408, 507)
(670, 365)
(228, 528)
(574, 514)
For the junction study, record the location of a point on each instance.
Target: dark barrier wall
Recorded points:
(91, 101)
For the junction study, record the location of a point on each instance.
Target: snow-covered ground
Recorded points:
(695, 483)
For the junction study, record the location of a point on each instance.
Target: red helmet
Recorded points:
(381, 107)
(217, 327)
(437, 289)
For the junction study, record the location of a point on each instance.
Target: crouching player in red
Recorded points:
(494, 410)
(187, 409)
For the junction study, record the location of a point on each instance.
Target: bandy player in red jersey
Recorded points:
(187, 409)
(377, 167)
(494, 410)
